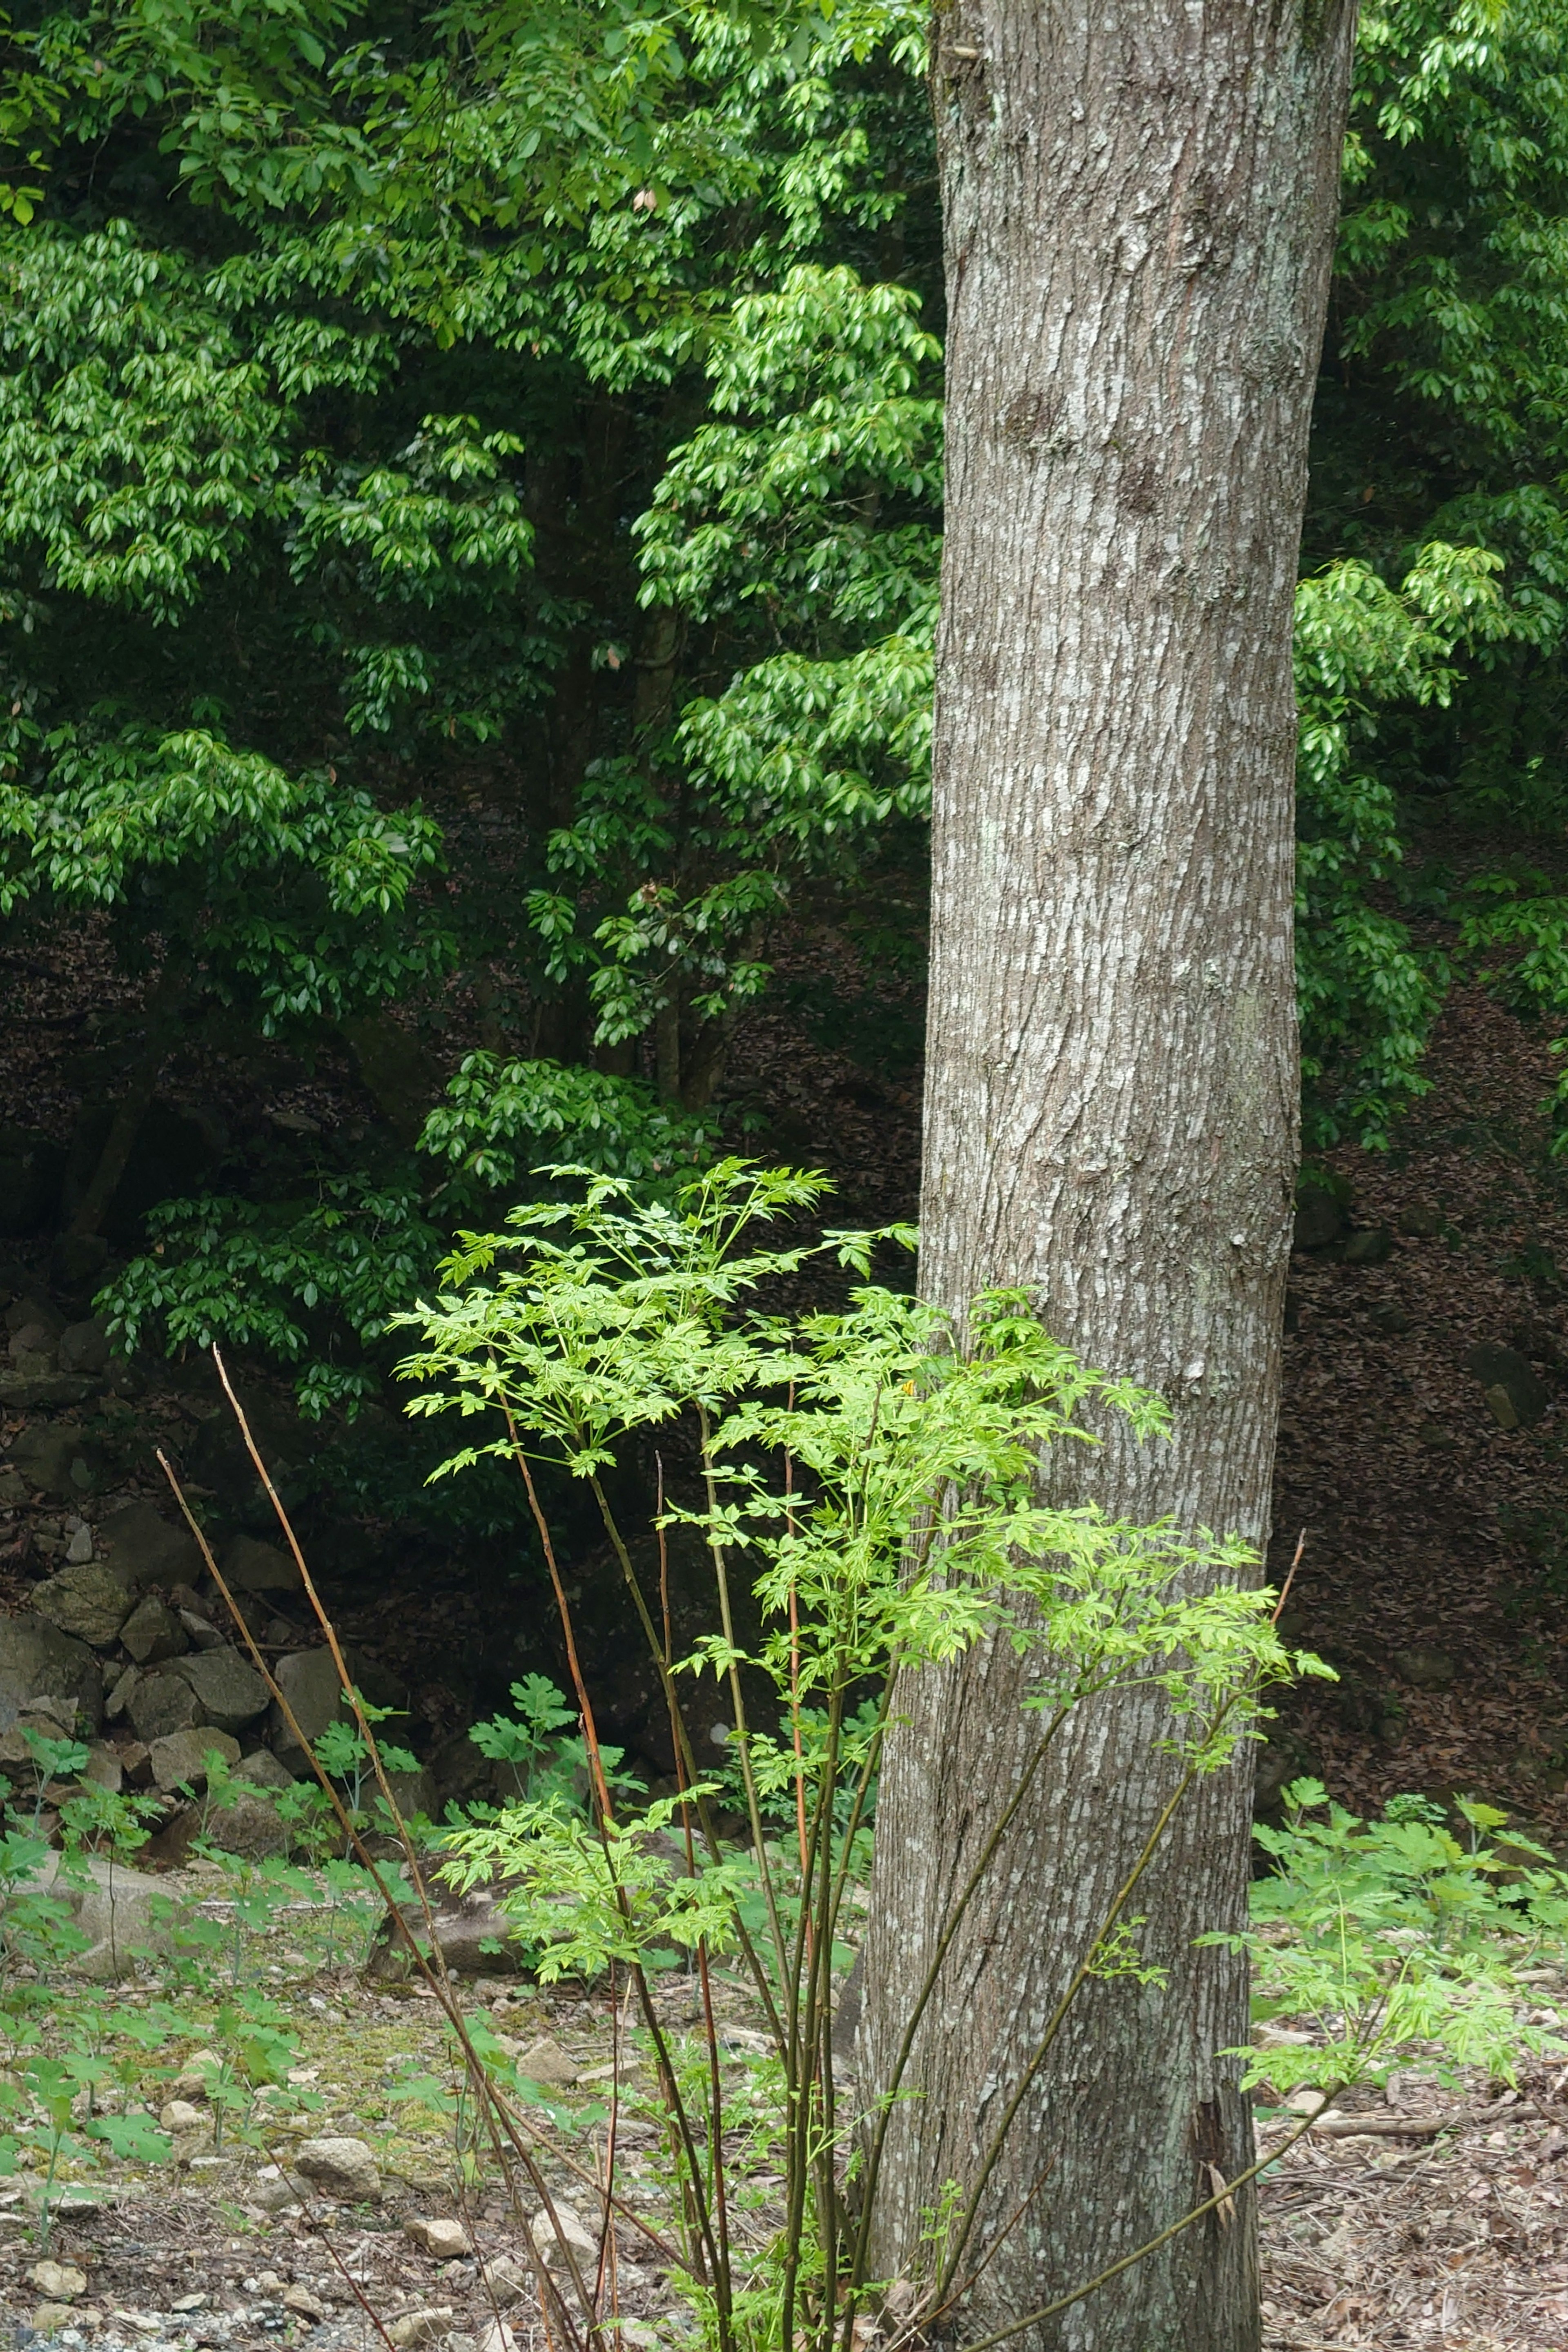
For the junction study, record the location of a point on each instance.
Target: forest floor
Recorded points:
(1433, 2217)
(1434, 1576)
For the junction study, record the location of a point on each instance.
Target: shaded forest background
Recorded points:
(469, 520)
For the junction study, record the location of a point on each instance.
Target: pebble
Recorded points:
(58, 2281)
(444, 2242)
(507, 2279)
(546, 2062)
(340, 2168)
(567, 2229)
(419, 2328)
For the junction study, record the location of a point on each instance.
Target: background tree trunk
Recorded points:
(1141, 199)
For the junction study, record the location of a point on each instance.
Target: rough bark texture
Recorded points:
(1140, 199)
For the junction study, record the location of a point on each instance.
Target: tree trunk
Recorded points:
(1141, 199)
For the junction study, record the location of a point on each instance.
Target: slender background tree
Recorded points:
(1140, 207)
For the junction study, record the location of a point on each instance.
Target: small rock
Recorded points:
(1307, 2102)
(178, 2115)
(263, 1769)
(203, 1634)
(247, 1826)
(308, 2305)
(144, 1548)
(507, 2281)
(114, 1908)
(568, 2226)
(50, 1455)
(444, 2242)
(274, 2190)
(79, 1548)
(1427, 1669)
(252, 1566)
(189, 2303)
(1320, 1218)
(1516, 1396)
(1422, 1219)
(48, 2316)
(83, 1347)
(152, 1633)
(231, 1693)
(89, 1600)
(546, 2062)
(163, 1703)
(191, 2082)
(343, 2168)
(34, 1655)
(103, 1767)
(1373, 1245)
(417, 2327)
(60, 2280)
(121, 1694)
(1502, 1407)
(181, 1756)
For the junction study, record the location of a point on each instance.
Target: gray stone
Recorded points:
(546, 2062)
(152, 1633)
(1422, 1220)
(89, 1600)
(1320, 1219)
(26, 1392)
(552, 2233)
(1516, 1396)
(163, 1703)
(203, 1634)
(251, 1567)
(32, 1308)
(34, 1349)
(262, 1769)
(79, 1548)
(1425, 1669)
(54, 1458)
(231, 1692)
(414, 1793)
(120, 1696)
(103, 1767)
(343, 2168)
(248, 1827)
(309, 1681)
(275, 2191)
(443, 2240)
(1373, 1245)
(84, 1347)
(179, 1758)
(507, 2281)
(472, 1932)
(415, 2329)
(37, 1656)
(112, 1907)
(144, 1548)
(47, 1718)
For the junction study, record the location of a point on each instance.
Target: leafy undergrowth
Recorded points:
(1427, 2204)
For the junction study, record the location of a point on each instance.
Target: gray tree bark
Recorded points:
(1141, 198)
